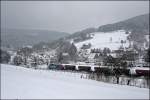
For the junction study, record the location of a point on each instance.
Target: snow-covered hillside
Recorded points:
(111, 40)
(22, 83)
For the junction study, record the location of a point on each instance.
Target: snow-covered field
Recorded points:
(22, 83)
(110, 40)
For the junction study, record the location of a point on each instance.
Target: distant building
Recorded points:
(95, 58)
(65, 57)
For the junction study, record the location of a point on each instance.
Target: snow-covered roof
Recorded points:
(65, 54)
(91, 56)
(140, 68)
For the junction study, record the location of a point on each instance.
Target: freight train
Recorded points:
(139, 71)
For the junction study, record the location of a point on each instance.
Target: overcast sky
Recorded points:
(68, 16)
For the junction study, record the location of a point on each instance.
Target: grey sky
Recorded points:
(68, 16)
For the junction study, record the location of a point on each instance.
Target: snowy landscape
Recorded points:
(22, 83)
(75, 50)
(108, 39)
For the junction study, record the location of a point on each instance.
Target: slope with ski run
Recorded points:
(24, 83)
(110, 40)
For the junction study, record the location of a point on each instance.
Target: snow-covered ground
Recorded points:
(22, 83)
(110, 40)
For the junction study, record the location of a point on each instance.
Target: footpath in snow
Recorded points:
(23, 83)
